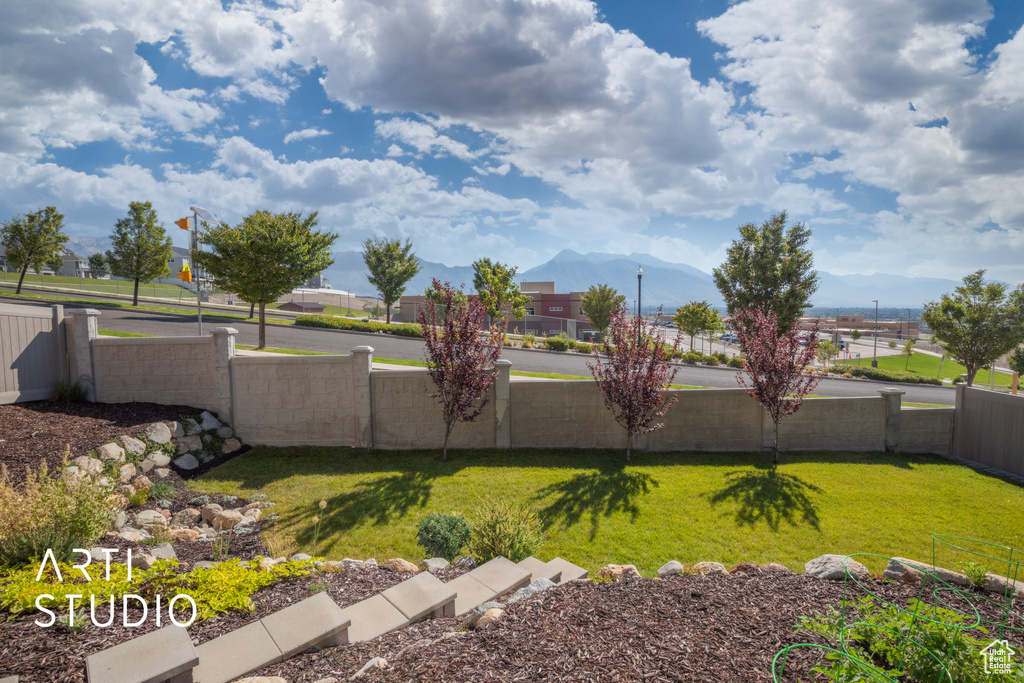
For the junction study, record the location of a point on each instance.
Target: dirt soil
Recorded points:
(721, 628)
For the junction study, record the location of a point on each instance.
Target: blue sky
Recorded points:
(514, 129)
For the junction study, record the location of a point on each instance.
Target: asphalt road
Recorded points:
(385, 346)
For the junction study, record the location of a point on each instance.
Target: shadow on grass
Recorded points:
(769, 496)
(597, 494)
(379, 502)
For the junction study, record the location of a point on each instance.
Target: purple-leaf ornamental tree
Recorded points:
(633, 369)
(774, 374)
(460, 357)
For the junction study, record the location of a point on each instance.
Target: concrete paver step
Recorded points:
(373, 617)
(314, 621)
(163, 655)
(236, 653)
(570, 571)
(541, 570)
(501, 575)
(421, 596)
(471, 593)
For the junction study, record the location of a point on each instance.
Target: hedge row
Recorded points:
(869, 372)
(337, 323)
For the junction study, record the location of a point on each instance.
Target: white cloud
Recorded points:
(305, 134)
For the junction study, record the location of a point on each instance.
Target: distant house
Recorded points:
(302, 307)
(74, 265)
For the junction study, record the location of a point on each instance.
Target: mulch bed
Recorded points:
(715, 628)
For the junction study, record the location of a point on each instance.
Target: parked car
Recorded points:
(729, 337)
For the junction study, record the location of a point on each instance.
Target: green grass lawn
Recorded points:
(97, 285)
(928, 365)
(684, 506)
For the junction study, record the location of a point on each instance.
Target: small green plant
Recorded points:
(163, 490)
(558, 343)
(506, 529)
(737, 362)
(442, 535)
(892, 343)
(529, 341)
(199, 501)
(74, 622)
(69, 392)
(318, 587)
(220, 548)
(975, 572)
(257, 497)
(228, 500)
(138, 498)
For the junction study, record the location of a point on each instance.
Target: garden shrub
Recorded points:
(69, 392)
(505, 529)
(338, 323)
(584, 347)
(693, 357)
(883, 375)
(58, 513)
(442, 535)
(722, 358)
(558, 343)
(711, 360)
(737, 362)
(218, 589)
(529, 341)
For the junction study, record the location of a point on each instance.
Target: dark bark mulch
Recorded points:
(31, 433)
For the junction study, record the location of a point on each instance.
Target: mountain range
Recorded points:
(664, 283)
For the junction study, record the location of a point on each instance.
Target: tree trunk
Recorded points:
(972, 370)
(388, 316)
(775, 460)
(447, 433)
(629, 443)
(252, 308)
(691, 342)
(21, 279)
(135, 297)
(263, 331)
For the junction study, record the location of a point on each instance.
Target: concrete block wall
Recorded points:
(169, 370)
(835, 424)
(295, 400)
(709, 420)
(569, 414)
(406, 417)
(926, 430)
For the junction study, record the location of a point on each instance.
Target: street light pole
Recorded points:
(874, 354)
(199, 212)
(639, 303)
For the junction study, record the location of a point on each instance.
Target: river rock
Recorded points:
(711, 567)
(186, 462)
(188, 517)
(158, 432)
(133, 445)
(110, 451)
(88, 465)
(227, 519)
(208, 422)
(618, 571)
(671, 568)
(159, 459)
(189, 444)
(433, 564)
(397, 564)
(535, 587)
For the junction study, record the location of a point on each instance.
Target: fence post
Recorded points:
(362, 398)
(62, 341)
(893, 405)
(223, 352)
(502, 404)
(84, 328)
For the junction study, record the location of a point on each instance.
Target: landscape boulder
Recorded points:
(433, 564)
(831, 567)
(150, 518)
(226, 519)
(163, 551)
(159, 459)
(941, 574)
(230, 446)
(489, 617)
(158, 432)
(711, 567)
(670, 568)
(210, 511)
(397, 564)
(186, 462)
(208, 422)
(188, 517)
(88, 465)
(533, 588)
(110, 451)
(189, 444)
(133, 445)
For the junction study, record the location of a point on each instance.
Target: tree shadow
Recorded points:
(769, 496)
(378, 502)
(597, 494)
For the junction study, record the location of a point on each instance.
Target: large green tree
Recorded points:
(265, 256)
(498, 292)
(140, 248)
(696, 317)
(391, 265)
(978, 322)
(33, 240)
(769, 268)
(599, 303)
